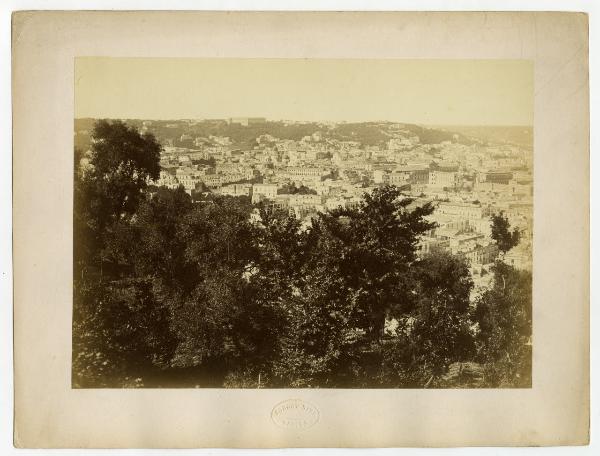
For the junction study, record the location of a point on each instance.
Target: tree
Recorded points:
(378, 246)
(201, 187)
(291, 189)
(503, 314)
(118, 326)
(153, 245)
(505, 239)
(109, 189)
(355, 273)
(441, 331)
(275, 277)
(216, 311)
(121, 162)
(320, 342)
(120, 332)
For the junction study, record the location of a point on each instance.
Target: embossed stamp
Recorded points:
(295, 414)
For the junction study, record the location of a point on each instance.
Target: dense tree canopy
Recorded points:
(109, 186)
(503, 314)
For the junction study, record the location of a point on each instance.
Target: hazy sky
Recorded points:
(450, 92)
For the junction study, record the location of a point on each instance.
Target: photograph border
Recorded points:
(555, 412)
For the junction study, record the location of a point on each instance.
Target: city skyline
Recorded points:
(318, 121)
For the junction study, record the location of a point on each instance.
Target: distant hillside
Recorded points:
(368, 133)
(519, 135)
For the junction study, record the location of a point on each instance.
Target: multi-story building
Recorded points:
(236, 190)
(305, 200)
(380, 176)
(464, 210)
(212, 181)
(245, 121)
(227, 168)
(443, 179)
(498, 176)
(302, 173)
(167, 179)
(261, 191)
(398, 179)
(479, 254)
(413, 174)
(189, 177)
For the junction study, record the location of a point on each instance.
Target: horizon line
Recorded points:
(435, 125)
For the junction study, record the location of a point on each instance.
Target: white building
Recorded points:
(263, 190)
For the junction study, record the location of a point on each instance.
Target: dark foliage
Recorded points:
(504, 317)
(291, 189)
(505, 239)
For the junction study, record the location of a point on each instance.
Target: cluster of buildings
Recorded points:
(467, 183)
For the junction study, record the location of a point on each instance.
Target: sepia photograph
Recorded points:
(301, 229)
(302, 223)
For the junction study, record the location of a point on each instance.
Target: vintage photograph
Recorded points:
(302, 223)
